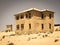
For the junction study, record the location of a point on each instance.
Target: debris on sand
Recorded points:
(56, 40)
(10, 44)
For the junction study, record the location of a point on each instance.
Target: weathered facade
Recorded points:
(8, 28)
(34, 21)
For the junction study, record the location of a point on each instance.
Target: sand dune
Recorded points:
(10, 38)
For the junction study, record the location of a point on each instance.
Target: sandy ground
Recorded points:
(32, 39)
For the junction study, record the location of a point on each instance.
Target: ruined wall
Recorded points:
(8, 28)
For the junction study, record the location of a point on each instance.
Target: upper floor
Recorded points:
(34, 14)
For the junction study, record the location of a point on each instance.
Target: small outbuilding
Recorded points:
(8, 28)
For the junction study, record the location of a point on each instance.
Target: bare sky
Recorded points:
(10, 7)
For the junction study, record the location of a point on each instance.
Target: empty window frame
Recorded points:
(22, 26)
(49, 26)
(26, 16)
(50, 16)
(42, 26)
(29, 26)
(42, 16)
(17, 27)
(29, 15)
(17, 17)
(21, 16)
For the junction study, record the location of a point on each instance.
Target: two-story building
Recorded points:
(33, 21)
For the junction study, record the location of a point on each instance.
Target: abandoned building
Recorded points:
(8, 28)
(57, 27)
(34, 20)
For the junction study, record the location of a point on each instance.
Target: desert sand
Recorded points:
(10, 38)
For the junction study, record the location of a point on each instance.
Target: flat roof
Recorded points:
(57, 25)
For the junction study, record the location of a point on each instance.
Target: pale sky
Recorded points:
(10, 7)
